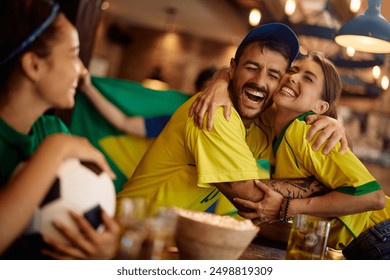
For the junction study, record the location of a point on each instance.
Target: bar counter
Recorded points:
(259, 249)
(265, 249)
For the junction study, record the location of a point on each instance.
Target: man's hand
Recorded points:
(331, 130)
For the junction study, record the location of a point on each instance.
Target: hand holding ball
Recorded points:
(81, 187)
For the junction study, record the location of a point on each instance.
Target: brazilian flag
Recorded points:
(122, 151)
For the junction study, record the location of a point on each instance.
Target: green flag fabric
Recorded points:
(123, 152)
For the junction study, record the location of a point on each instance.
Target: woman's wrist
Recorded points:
(222, 75)
(284, 215)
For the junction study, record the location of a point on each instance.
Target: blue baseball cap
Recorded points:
(277, 32)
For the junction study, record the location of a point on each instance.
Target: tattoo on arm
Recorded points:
(297, 188)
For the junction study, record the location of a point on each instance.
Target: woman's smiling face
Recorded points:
(301, 88)
(62, 68)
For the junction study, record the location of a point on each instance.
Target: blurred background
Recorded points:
(173, 40)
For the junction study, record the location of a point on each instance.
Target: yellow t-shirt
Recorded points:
(295, 158)
(182, 163)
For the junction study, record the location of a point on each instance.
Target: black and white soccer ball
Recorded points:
(79, 186)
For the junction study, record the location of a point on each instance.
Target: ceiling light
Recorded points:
(376, 72)
(254, 17)
(303, 50)
(290, 6)
(155, 80)
(105, 5)
(369, 32)
(385, 83)
(350, 51)
(354, 5)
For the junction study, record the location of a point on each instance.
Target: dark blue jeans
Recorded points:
(373, 244)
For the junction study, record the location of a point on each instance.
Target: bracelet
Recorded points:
(283, 209)
(286, 218)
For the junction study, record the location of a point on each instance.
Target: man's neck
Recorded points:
(247, 122)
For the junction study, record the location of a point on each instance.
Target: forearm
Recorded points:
(129, 125)
(109, 111)
(334, 204)
(25, 191)
(242, 189)
(297, 188)
(222, 74)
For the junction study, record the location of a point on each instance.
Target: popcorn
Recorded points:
(217, 220)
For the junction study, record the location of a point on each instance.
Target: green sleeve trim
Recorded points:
(363, 189)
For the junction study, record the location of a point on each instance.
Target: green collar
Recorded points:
(278, 140)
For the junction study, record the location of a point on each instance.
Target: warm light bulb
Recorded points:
(350, 51)
(290, 6)
(303, 50)
(105, 5)
(354, 5)
(385, 83)
(376, 72)
(254, 17)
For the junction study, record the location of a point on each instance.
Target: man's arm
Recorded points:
(242, 189)
(294, 188)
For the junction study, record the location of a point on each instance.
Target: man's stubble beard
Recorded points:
(241, 109)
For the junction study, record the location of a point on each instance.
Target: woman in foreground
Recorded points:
(39, 70)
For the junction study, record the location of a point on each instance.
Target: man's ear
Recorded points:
(30, 63)
(321, 107)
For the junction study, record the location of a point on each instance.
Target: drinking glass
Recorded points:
(132, 215)
(308, 238)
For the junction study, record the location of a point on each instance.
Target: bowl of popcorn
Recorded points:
(206, 236)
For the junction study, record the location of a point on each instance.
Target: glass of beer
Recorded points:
(308, 238)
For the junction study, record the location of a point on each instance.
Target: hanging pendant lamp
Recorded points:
(369, 32)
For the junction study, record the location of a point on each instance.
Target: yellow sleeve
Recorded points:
(343, 172)
(222, 154)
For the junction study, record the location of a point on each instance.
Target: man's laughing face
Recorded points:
(254, 79)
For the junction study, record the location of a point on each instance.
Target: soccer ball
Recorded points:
(80, 186)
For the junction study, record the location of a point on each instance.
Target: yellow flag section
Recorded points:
(126, 151)
(123, 152)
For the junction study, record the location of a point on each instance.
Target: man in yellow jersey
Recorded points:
(190, 167)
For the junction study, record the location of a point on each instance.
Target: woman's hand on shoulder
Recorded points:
(214, 95)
